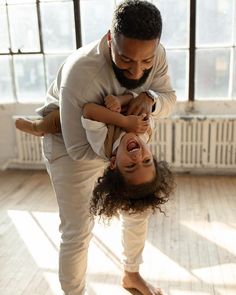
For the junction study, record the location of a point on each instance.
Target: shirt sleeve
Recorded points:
(161, 85)
(96, 133)
(74, 134)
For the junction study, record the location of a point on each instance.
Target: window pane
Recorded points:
(96, 18)
(178, 71)
(4, 38)
(212, 74)
(175, 25)
(58, 26)
(24, 28)
(234, 76)
(214, 22)
(6, 88)
(234, 24)
(30, 81)
(53, 63)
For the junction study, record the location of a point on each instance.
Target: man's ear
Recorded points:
(109, 38)
(112, 163)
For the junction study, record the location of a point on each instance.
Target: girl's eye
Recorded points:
(130, 166)
(146, 161)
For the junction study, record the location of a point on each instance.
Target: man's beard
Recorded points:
(129, 83)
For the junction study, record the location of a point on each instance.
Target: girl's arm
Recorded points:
(115, 103)
(131, 123)
(125, 99)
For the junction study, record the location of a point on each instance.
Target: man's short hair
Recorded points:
(137, 19)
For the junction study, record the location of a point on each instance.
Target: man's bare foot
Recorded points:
(133, 280)
(28, 126)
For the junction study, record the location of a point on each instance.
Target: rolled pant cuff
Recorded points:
(131, 268)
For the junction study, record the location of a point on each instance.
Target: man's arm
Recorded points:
(74, 134)
(161, 86)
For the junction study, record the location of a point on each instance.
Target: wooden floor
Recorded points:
(189, 251)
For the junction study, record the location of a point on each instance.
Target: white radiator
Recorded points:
(196, 142)
(186, 143)
(28, 150)
(161, 144)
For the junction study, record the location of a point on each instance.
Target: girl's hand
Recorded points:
(112, 102)
(136, 124)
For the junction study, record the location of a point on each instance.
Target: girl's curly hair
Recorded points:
(112, 193)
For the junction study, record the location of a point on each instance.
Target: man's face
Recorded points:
(134, 160)
(132, 60)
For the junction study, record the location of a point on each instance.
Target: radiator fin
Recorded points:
(29, 149)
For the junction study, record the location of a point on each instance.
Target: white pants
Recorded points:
(73, 182)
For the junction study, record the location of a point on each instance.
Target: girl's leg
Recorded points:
(48, 124)
(134, 230)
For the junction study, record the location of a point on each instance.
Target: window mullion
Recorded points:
(192, 48)
(41, 41)
(39, 26)
(77, 16)
(12, 68)
(9, 32)
(231, 73)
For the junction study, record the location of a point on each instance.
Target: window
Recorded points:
(215, 50)
(175, 38)
(36, 36)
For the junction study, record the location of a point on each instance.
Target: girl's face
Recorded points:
(134, 160)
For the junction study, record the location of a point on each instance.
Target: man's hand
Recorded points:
(136, 124)
(142, 104)
(113, 103)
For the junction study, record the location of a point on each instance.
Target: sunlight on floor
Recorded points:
(222, 291)
(49, 222)
(217, 274)
(219, 233)
(223, 236)
(52, 279)
(37, 230)
(169, 270)
(40, 247)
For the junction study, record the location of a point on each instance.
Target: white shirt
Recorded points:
(96, 133)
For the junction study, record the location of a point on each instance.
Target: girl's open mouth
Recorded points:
(132, 146)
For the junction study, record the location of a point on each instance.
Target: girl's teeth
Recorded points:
(136, 149)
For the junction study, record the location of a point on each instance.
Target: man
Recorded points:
(128, 59)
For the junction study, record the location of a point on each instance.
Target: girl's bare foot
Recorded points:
(28, 126)
(133, 280)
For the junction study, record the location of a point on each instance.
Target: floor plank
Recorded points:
(190, 250)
